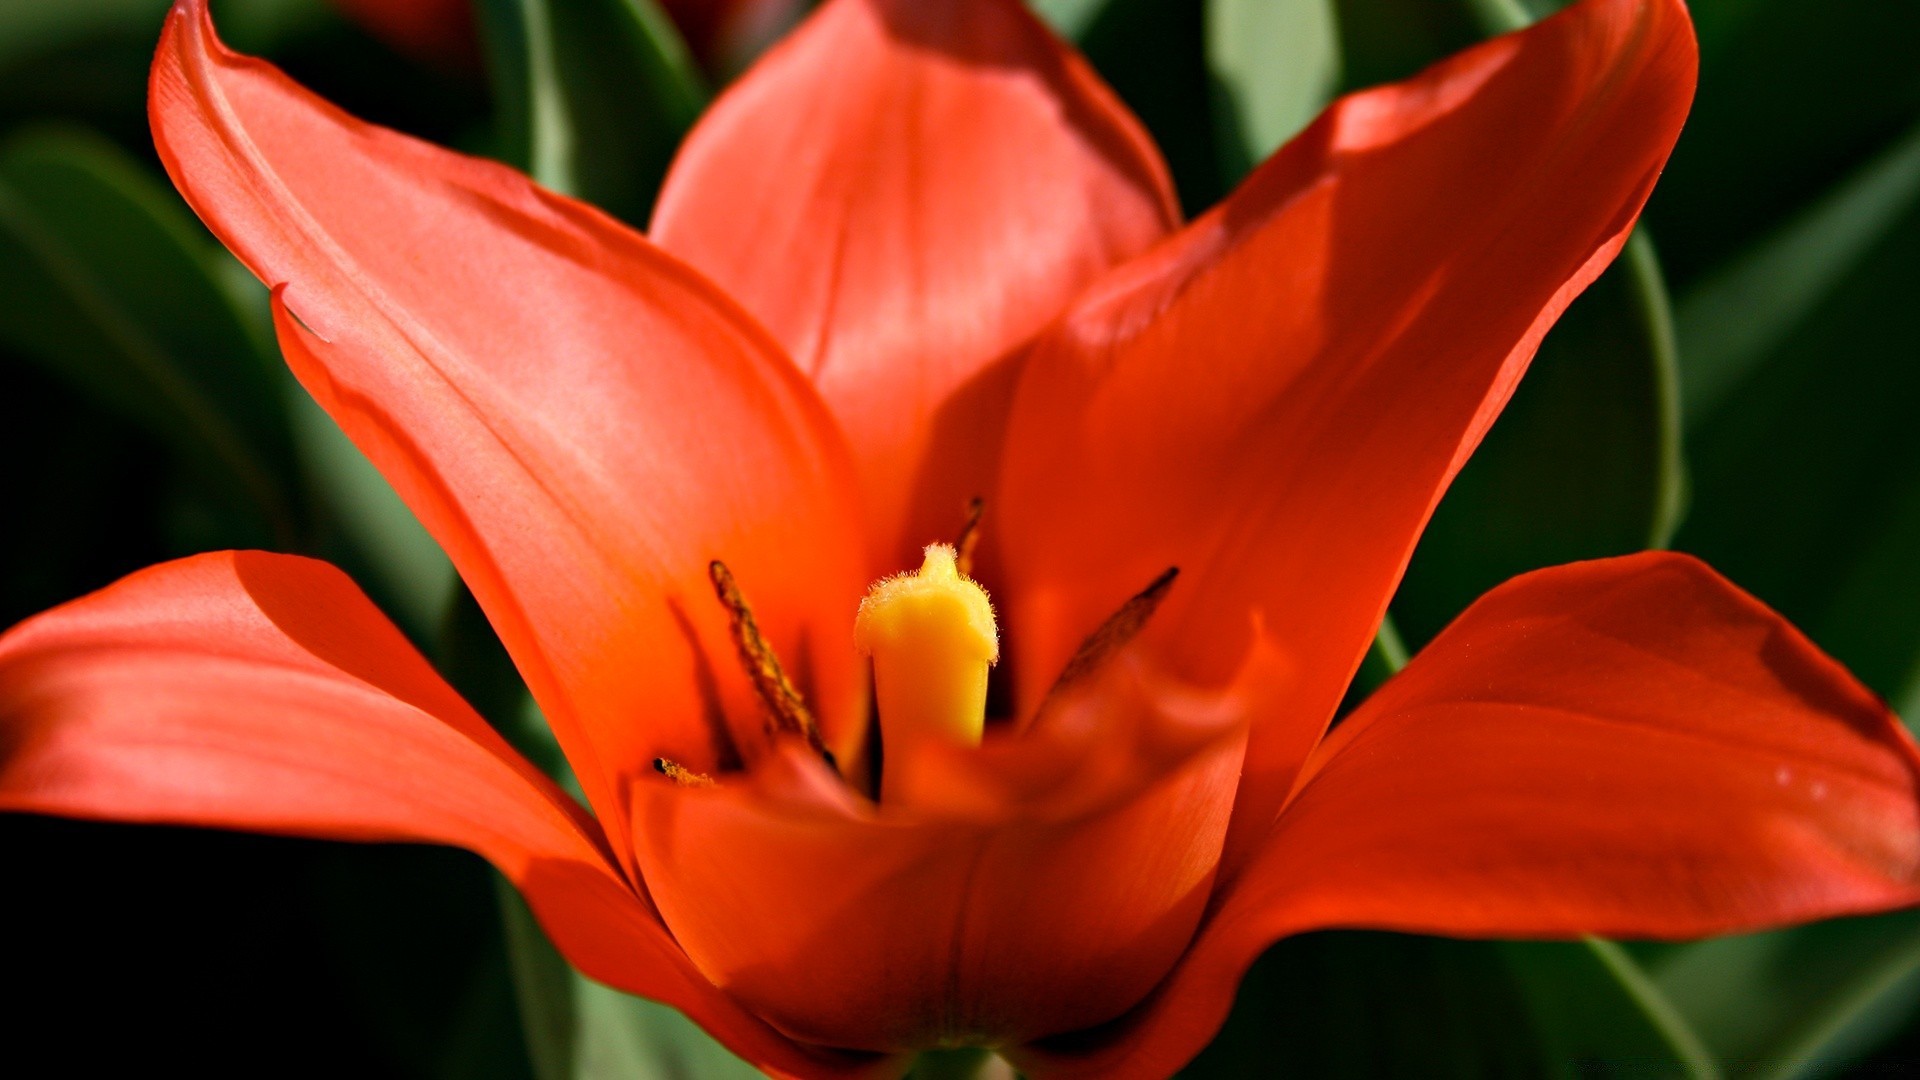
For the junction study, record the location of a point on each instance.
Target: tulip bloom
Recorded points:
(919, 254)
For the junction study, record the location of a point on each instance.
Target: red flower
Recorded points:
(921, 253)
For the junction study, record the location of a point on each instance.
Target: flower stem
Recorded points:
(971, 1064)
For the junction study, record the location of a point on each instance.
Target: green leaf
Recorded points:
(27, 27)
(267, 27)
(1070, 17)
(594, 95)
(1598, 1012)
(1501, 16)
(1808, 476)
(1356, 1004)
(1584, 462)
(1733, 319)
(407, 569)
(543, 983)
(1275, 64)
(1793, 96)
(1796, 1003)
(107, 283)
(1385, 40)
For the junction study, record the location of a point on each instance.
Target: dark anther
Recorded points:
(969, 537)
(1113, 635)
(680, 774)
(788, 710)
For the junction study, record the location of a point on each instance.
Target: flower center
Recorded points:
(932, 637)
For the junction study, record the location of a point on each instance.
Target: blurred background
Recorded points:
(1741, 385)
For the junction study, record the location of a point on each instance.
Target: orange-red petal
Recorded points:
(1040, 883)
(1274, 400)
(905, 191)
(581, 421)
(263, 692)
(1630, 747)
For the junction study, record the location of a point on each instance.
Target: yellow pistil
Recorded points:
(932, 637)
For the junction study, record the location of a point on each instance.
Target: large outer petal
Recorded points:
(905, 191)
(581, 421)
(1629, 747)
(1274, 400)
(265, 692)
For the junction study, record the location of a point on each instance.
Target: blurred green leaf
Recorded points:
(1734, 318)
(1597, 1012)
(1359, 1004)
(543, 984)
(27, 26)
(1795, 1003)
(106, 282)
(1793, 97)
(407, 569)
(260, 27)
(1070, 17)
(1275, 64)
(1808, 476)
(1501, 16)
(1584, 462)
(1384, 40)
(594, 95)
(972, 1064)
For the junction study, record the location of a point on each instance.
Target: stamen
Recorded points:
(969, 538)
(682, 775)
(1114, 634)
(784, 704)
